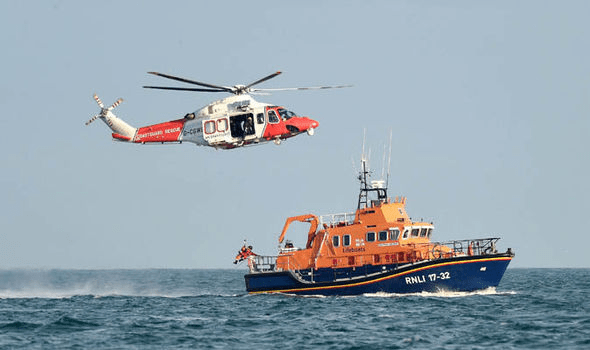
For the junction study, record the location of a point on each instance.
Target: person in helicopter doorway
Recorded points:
(248, 127)
(244, 253)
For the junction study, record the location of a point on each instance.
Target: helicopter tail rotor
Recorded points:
(121, 130)
(99, 101)
(103, 111)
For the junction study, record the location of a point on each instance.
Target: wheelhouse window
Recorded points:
(423, 232)
(336, 241)
(405, 234)
(209, 127)
(272, 117)
(394, 234)
(383, 235)
(346, 240)
(429, 232)
(285, 114)
(370, 236)
(415, 232)
(260, 118)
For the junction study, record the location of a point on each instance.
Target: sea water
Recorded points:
(193, 309)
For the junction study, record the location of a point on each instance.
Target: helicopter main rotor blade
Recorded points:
(263, 79)
(188, 81)
(304, 88)
(183, 89)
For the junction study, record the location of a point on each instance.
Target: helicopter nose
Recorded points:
(313, 124)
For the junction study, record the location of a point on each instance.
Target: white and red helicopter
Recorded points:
(232, 122)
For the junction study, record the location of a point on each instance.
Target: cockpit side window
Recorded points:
(272, 117)
(285, 114)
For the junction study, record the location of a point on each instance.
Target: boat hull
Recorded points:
(462, 274)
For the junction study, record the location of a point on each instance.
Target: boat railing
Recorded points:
(262, 263)
(479, 246)
(340, 219)
(266, 263)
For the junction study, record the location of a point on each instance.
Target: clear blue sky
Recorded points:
(488, 102)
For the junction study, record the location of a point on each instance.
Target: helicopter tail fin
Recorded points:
(121, 130)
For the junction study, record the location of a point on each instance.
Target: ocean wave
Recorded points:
(19, 326)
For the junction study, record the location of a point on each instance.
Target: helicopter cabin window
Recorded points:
(394, 234)
(209, 127)
(336, 241)
(383, 235)
(346, 240)
(222, 125)
(415, 232)
(370, 236)
(405, 234)
(260, 118)
(285, 114)
(241, 125)
(272, 117)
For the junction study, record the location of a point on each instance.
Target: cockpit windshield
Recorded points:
(285, 114)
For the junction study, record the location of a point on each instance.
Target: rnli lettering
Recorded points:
(433, 277)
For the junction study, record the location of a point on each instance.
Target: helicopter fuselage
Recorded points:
(228, 123)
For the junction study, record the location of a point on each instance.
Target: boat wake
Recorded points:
(440, 294)
(98, 293)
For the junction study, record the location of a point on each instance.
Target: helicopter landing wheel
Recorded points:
(310, 131)
(277, 141)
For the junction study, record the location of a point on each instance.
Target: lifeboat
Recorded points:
(377, 248)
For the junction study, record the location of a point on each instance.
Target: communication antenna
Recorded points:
(364, 138)
(383, 163)
(389, 160)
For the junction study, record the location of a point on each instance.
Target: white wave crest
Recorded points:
(440, 294)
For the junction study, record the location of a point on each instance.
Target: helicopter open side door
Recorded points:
(242, 126)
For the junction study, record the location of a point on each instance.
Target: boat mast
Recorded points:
(378, 187)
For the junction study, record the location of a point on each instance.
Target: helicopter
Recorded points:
(229, 123)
